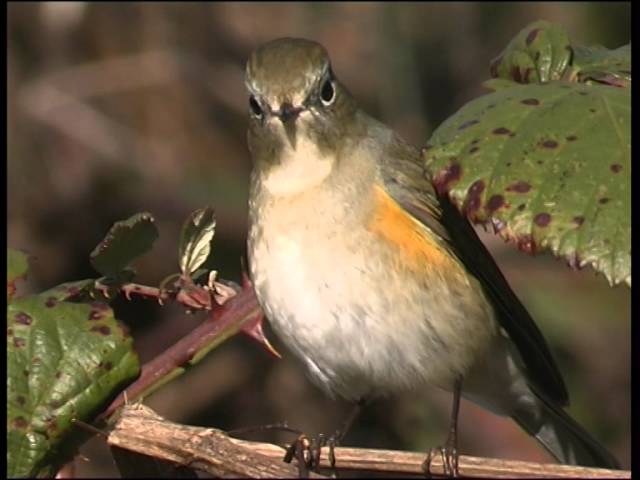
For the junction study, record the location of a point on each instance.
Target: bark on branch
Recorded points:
(141, 430)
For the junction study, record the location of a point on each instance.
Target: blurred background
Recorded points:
(118, 108)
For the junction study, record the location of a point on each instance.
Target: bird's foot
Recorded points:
(449, 454)
(307, 451)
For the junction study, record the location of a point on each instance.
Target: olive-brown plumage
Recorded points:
(371, 279)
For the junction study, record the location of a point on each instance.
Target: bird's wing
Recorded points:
(404, 179)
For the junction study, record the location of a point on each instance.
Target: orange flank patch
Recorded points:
(407, 235)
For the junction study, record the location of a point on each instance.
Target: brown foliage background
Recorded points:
(119, 108)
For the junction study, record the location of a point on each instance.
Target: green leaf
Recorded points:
(125, 241)
(68, 290)
(549, 165)
(17, 267)
(65, 361)
(540, 53)
(195, 239)
(599, 64)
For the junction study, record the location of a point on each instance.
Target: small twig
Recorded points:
(89, 428)
(231, 309)
(141, 430)
(283, 427)
(223, 322)
(182, 290)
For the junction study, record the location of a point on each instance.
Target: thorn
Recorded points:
(270, 348)
(254, 330)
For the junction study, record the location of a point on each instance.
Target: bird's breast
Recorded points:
(361, 295)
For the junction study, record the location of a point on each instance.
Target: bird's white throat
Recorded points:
(299, 169)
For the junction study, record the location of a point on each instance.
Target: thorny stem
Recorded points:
(162, 295)
(129, 289)
(223, 321)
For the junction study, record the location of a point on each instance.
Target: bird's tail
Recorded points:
(567, 441)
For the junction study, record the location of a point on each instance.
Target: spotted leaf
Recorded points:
(541, 52)
(17, 267)
(601, 65)
(549, 165)
(65, 360)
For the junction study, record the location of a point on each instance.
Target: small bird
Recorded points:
(372, 279)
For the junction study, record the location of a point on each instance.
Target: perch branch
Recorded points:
(141, 430)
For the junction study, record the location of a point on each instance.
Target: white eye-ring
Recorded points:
(327, 93)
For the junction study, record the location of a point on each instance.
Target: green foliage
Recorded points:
(598, 64)
(195, 240)
(17, 266)
(548, 162)
(538, 54)
(65, 360)
(125, 241)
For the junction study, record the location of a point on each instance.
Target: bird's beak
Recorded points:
(288, 115)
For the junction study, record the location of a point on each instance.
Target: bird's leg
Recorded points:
(449, 451)
(339, 434)
(308, 450)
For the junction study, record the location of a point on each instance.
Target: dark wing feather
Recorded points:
(405, 181)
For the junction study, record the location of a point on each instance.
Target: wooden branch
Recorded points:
(141, 430)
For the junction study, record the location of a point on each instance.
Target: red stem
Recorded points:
(223, 321)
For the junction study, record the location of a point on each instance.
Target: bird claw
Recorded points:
(449, 454)
(300, 448)
(307, 452)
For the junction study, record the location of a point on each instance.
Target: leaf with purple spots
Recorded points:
(17, 268)
(69, 290)
(57, 360)
(541, 52)
(563, 150)
(601, 65)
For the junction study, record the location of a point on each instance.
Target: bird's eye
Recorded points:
(328, 93)
(255, 106)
